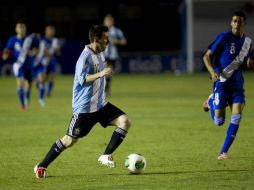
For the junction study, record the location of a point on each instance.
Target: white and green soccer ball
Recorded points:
(135, 163)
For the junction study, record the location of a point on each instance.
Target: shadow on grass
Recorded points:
(154, 173)
(184, 172)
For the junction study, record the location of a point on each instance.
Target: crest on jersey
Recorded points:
(17, 46)
(96, 67)
(232, 48)
(77, 131)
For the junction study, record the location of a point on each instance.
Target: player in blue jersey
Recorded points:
(52, 50)
(89, 103)
(39, 71)
(46, 61)
(23, 49)
(116, 38)
(224, 60)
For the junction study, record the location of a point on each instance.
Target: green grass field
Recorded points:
(170, 129)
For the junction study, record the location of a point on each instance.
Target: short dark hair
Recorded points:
(241, 14)
(96, 31)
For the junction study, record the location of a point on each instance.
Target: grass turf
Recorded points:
(170, 129)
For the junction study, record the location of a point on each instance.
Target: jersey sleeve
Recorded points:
(82, 69)
(10, 44)
(216, 45)
(251, 52)
(120, 35)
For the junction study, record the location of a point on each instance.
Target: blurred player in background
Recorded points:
(225, 59)
(116, 38)
(51, 50)
(89, 103)
(23, 48)
(46, 61)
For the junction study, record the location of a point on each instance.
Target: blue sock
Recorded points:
(231, 133)
(41, 90)
(27, 96)
(50, 86)
(212, 113)
(21, 96)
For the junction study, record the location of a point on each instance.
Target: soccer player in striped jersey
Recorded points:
(111, 53)
(89, 103)
(23, 47)
(225, 59)
(50, 60)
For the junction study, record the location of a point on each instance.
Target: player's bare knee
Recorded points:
(68, 141)
(124, 122)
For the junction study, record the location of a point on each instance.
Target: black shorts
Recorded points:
(81, 123)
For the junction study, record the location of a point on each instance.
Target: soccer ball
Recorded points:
(135, 163)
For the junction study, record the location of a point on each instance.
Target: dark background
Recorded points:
(148, 25)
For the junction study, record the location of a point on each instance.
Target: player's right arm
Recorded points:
(105, 72)
(207, 61)
(6, 54)
(8, 49)
(85, 73)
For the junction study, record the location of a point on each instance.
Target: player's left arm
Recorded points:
(120, 39)
(250, 59)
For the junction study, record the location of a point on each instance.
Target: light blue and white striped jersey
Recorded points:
(88, 97)
(111, 52)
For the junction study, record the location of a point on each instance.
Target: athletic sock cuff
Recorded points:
(121, 131)
(60, 145)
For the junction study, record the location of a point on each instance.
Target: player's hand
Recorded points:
(107, 71)
(215, 77)
(250, 64)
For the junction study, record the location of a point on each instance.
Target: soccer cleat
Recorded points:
(26, 102)
(42, 102)
(40, 172)
(107, 160)
(23, 107)
(223, 156)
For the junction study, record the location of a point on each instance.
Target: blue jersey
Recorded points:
(52, 45)
(230, 53)
(88, 97)
(20, 48)
(111, 51)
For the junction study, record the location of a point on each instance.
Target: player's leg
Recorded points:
(41, 76)
(112, 115)
(19, 73)
(51, 82)
(20, 90)
(219, 103)
(232, 129)
(122, 124)
(79, 126)
(28, 78)
(51, 72)
(208, 105)
(56, 149)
